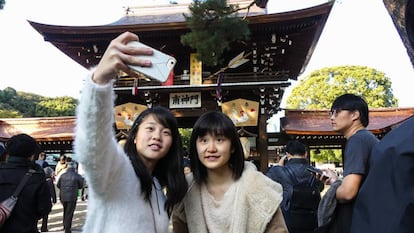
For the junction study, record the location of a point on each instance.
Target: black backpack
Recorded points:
(301, 208)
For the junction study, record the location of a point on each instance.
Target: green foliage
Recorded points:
(321, 87)
(214, 25)
(60, 106)
(23, 103)
(9, 114)
(20, 104)
(185, 136)
(2, 2)
(326, 156)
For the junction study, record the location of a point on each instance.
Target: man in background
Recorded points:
(291, 172)
(42, 160)
(69, 183)
(50, 177)
(187, 166)
(349, 116)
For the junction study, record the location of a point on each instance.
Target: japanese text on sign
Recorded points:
(185, 100)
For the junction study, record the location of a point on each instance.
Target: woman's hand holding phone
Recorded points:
(162, 64)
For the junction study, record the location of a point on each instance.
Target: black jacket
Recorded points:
(69, 183)
(34, 200)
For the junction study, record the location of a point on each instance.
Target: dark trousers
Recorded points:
(84, 194)
(68, 211)
(44, 223)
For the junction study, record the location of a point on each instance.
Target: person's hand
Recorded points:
(282, 160)
(117, 57)
(328, 176)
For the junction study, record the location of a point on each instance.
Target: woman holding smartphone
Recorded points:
(126, 184)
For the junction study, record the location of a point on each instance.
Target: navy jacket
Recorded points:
(281, 175)
(298, 166)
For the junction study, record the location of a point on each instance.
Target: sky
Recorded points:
(356, 33)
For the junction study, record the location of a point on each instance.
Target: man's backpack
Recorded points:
(301, 208)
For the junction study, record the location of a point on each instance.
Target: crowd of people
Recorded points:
(22, 153)
(147, 183)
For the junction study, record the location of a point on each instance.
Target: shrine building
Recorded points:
(278, 51)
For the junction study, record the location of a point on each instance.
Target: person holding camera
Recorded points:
(293, 174)
(134, 187)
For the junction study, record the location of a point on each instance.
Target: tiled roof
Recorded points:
(42, 128)
(317, 122)
(296, 122)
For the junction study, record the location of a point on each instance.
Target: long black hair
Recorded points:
(217, 124)
(169, 169)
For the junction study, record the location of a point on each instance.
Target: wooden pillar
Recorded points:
(262, 143)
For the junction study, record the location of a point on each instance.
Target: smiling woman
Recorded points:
(130, 178)
(226, 193)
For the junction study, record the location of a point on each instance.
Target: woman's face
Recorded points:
(153, 141)
(214, 151)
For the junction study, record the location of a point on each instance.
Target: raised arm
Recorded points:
(95, 143)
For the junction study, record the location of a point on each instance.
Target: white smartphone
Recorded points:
(162, 64)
